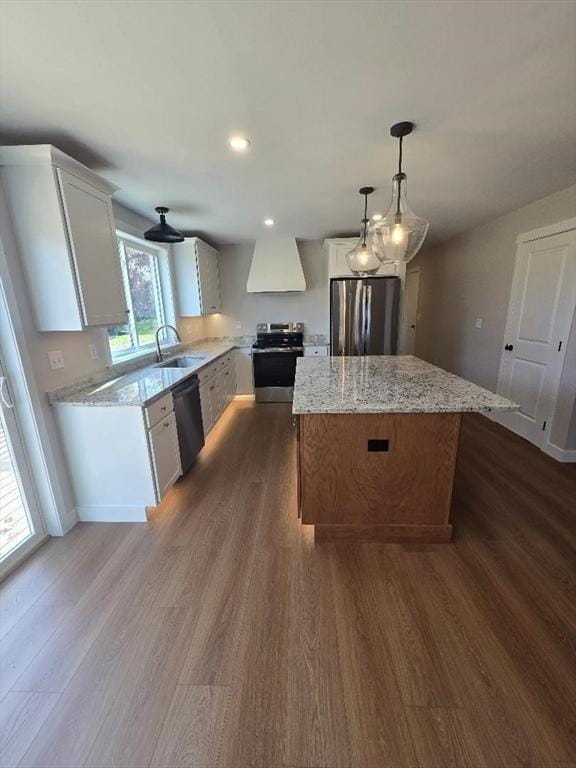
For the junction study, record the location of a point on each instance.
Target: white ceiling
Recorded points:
(148, 92)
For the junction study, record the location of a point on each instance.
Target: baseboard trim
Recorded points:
(243, 397)
(68, 521)
(560, 454)
(112, 514)
(365, 534)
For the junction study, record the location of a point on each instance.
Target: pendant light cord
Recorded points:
(399, 176)
(365, 219)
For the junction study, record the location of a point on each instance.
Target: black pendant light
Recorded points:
(398, 236)
(362, 259)
(162, 232)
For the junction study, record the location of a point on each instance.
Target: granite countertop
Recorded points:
(386, 384)
(143, 386)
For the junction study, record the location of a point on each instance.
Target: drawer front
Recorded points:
(211, 370)
(207, 373)
(159, 409)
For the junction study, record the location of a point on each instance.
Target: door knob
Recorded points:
(509, 347)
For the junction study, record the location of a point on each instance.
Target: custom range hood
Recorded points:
(276, 266)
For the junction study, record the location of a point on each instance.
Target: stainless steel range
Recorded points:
(274, 355)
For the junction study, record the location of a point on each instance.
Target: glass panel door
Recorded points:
(20, 522)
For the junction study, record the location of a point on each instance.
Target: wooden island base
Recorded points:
(377, 477)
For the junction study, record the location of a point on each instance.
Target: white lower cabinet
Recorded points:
(165, 454)
(206, 407)
(121, 459)
(244, 371)
(218, 387)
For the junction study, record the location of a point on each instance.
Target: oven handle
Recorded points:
(277, 349)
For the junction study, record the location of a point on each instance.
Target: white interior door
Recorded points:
(411, 310)
(21, 526)
(539, 317)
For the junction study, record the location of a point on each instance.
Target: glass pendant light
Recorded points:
(163, 232)
(361, 259)
(399, 235)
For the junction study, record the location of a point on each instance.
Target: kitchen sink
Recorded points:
(181, 362)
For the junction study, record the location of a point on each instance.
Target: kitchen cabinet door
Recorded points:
(197, 279)
(206, 407)
(229, 385)
(215, 394)
(94, 250)
(165, 454)
(208, 278)
(244, 371)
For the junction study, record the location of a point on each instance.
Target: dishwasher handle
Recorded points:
(185, 388)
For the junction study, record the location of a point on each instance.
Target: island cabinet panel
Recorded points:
(370, 477)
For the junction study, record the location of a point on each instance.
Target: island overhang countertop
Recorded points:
(386, 384)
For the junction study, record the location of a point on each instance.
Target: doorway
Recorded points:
(540, 312)
(411, 292)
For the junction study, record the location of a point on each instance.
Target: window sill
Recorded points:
(141, 354)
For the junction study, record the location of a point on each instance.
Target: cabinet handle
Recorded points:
(166, 423)
(163, 408)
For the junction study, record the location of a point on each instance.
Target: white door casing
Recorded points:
(411, 309)
(26, 495)
(540, 312)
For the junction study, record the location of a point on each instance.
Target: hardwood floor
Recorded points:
(219, 635)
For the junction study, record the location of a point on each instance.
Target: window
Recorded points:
(143, 291)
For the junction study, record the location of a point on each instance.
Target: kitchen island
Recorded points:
(377, 445)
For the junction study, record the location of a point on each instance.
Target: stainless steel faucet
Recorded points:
(159, 353)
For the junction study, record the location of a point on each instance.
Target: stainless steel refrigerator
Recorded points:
(364, 315)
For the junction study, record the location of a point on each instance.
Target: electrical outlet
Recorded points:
(56, 359)
(478, 322)
(238, 325)
(93, 351)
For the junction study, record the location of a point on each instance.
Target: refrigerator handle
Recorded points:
(342, 318)
(359, 318)
(368, 316)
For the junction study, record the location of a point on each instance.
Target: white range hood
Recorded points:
(276, 266)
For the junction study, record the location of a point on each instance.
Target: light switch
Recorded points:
(238, 325)
(56, 359)
(478, 322)
(93, 351)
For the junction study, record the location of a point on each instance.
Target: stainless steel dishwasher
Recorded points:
(188, 413)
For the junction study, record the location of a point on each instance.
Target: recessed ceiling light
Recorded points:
(377, 217)
(269, 222)
(239, 143)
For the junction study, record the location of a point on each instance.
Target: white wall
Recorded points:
(310, 307)
(470, 277)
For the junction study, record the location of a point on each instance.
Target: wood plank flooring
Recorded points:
(219, 636)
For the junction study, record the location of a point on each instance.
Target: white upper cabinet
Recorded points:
(197, 280)
(338, 266)
(64, 225)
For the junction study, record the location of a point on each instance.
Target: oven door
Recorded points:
(274, 373)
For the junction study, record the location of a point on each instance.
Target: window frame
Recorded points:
(157, 252)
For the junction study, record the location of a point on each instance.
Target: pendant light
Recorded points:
(398, 236)
(162, 232)
(361, 259)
